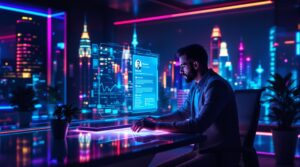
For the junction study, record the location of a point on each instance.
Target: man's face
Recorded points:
(186, 69)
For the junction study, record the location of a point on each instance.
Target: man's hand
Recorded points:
(147, 123)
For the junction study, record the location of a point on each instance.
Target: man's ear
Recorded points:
(196, 65)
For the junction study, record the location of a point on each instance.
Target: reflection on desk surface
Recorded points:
(116, 134)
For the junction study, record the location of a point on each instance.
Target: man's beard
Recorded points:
(191, 75)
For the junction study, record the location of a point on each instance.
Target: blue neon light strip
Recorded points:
(27, 11)
(298, 43)
(6, 108)
(58, 14)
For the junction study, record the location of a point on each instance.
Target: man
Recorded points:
(138, 64)
(210, 109)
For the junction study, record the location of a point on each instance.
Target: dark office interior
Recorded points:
(77, 74)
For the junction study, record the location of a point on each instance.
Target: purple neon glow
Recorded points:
(248, 59)
(7, 37)
(65, 58)
(241, 58)
(49, 44)
(241, 48)
(120, 134)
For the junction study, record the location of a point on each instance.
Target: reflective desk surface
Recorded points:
(87, 147)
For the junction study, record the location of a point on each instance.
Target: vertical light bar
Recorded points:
(298, 43)
(295, 77)
(272, 50)
(65, 58)
(49, 46)
(164, 79)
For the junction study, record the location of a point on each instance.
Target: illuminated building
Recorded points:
(223, 58)
(248, 72)
(28, 54)
(126, 69)
(84, 67)
(241, 79)
(215, 44)
(94, 98)
(7, 69)
(241, 69)
(287, 59)
(272, 49)
(57, 67)
(298, 43)
(259, 71)
(225, 66)
(134, 38)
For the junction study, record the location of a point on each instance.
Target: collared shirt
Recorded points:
(210, 109)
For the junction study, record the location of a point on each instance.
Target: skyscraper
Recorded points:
(241, 74)
(28, 55)
(134, 38)
(84, 67)
(223, 58)
(241, 65)
(259, 70)
(248, 72)
(225, 66)
(58, 66)
(215, 44)
(127, 77)
(95, 91)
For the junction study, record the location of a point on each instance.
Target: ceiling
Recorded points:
(131, 6)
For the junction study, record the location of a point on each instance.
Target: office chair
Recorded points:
(248, 106)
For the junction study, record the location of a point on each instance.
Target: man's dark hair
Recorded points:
(194, 52)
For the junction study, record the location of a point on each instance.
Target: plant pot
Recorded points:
(59, 151)
(285, 146)
(25, 119)
(59, 129)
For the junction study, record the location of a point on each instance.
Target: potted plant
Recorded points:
(62, 117)
(23, 100)
(284, 100)
(53, 97)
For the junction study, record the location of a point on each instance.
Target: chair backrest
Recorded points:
(248, 106)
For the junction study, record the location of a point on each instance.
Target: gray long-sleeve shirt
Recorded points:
(210, 109)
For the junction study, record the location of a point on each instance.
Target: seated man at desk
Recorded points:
(210, 109)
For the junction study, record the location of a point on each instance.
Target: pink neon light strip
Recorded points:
(65, 58)
(267, 134)
(7, 37)
(217, 9)
(49, 44)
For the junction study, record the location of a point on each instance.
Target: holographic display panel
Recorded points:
(145, 79)
(124, 80)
